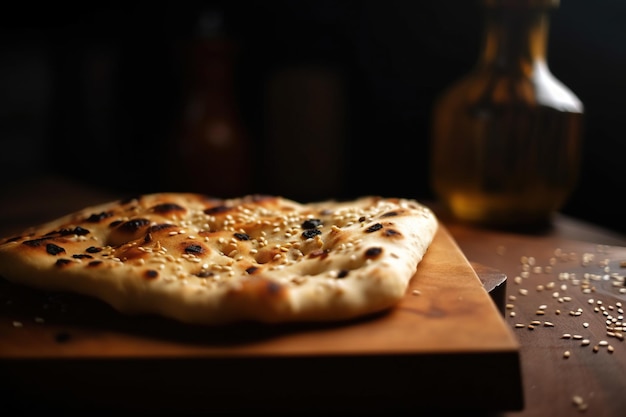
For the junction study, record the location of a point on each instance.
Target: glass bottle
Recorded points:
(212, 148)
(506, 139)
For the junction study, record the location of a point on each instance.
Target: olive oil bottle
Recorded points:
(507, 138)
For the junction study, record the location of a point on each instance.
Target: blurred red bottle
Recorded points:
(212, 149)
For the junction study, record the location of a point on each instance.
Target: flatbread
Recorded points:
(211, 261)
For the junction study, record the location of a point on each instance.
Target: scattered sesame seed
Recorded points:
(579, 403)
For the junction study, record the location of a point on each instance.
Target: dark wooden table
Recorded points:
(564, 298)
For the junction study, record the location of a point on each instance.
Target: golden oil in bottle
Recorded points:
(507, 138)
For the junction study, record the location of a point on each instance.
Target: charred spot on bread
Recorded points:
(82, 256)
(53, 249)
(373, 253)
(93, 249)
(203, 273)
(311, 223)
(33, 243)
(260, 288)
(311, 233)
(241, 236)
(217, 210)
(154, 230)
(115, 223)
(151, 274)
(167, 208)
(98, 217)
(342, 273)
(94, 263)
(274, 287)
(62, 262)
(133, 225)
(373, 228)
(79, 231)
(251, 270)
(391, 232)
(125, 231)
(194, 249)
(159, 227)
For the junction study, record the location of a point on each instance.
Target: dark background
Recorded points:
(94, 92)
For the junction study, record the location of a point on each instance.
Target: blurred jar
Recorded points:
(211, 148)
(506, 144)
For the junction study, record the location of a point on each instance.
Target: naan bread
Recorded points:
(211, 261)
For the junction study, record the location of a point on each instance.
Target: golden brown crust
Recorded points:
(211, 261)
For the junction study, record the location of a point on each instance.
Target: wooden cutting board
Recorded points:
(445, 346)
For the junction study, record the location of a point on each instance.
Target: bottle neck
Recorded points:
(515, 39)
(213, 64)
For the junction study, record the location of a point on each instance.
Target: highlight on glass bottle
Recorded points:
(507, 138)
